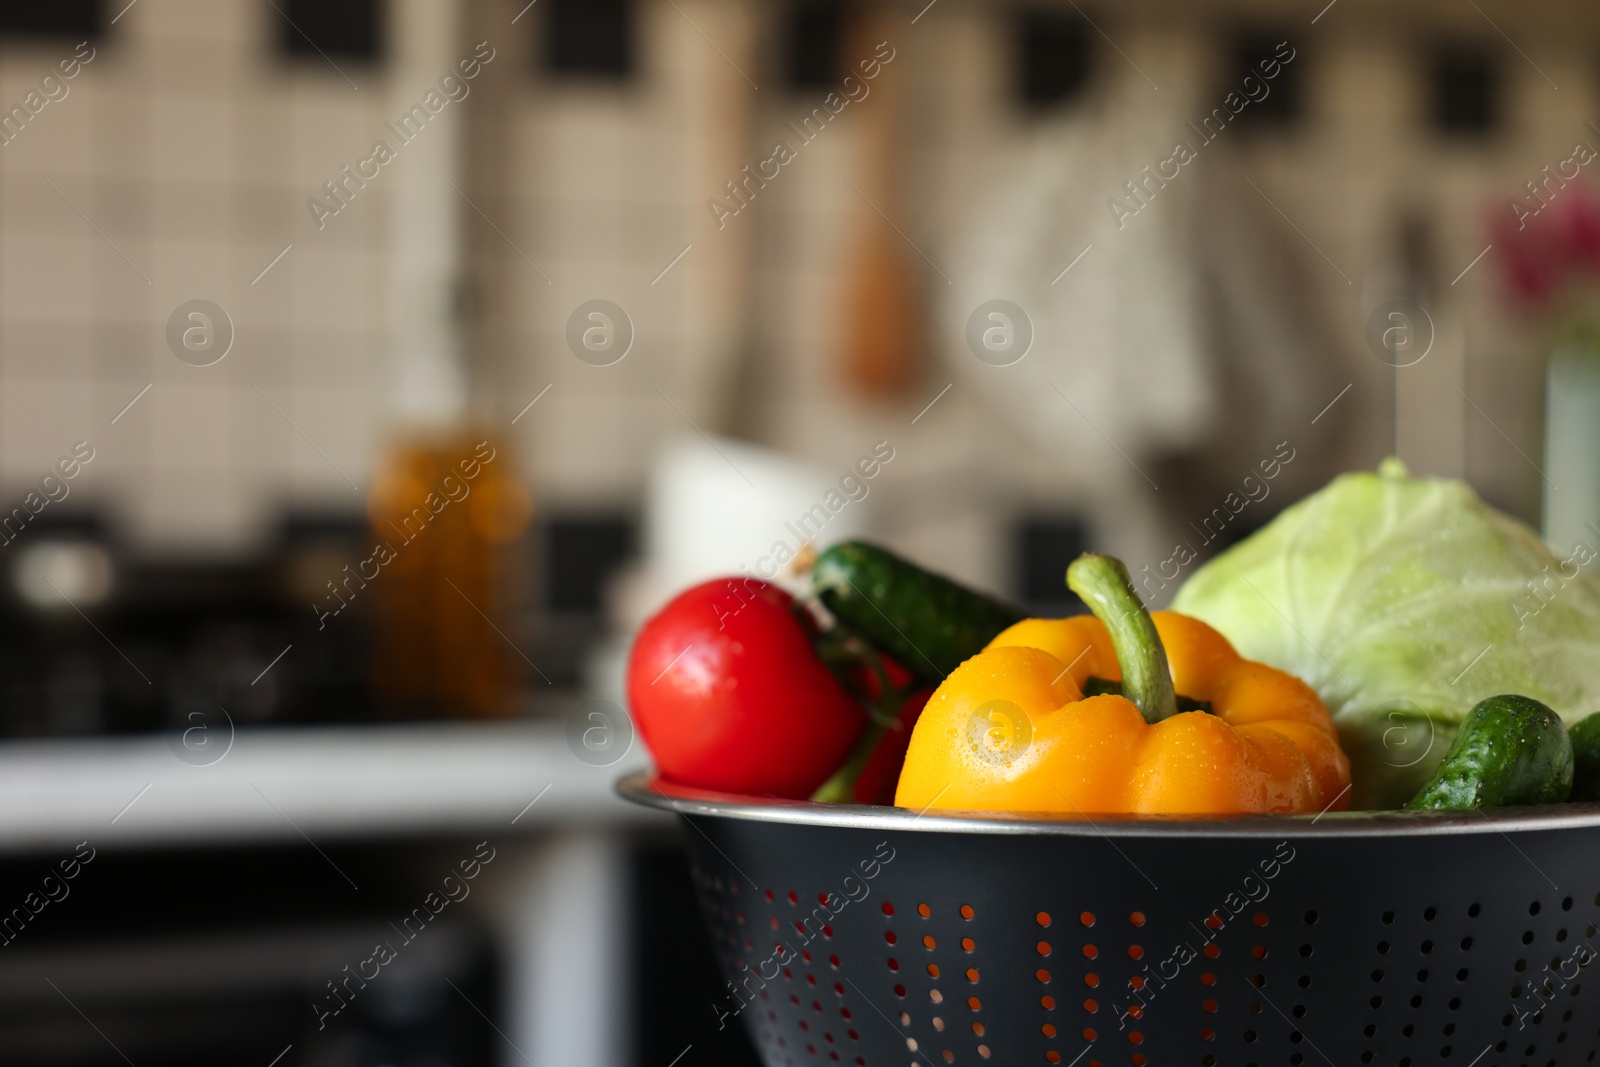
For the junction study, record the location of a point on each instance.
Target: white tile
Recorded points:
(337, 438)
(48, 276)
(330, 289)
(58, 139)
(38, 420)
(583, 447)
(196, 510)
(190, 270)
(121, 118)
(124, 353)
(45, 350)
(191, 211)
(345, 360)
(191, 419)
(28, 205)
(221, 27)
(191, 138)
(331, 125)
(263, 145)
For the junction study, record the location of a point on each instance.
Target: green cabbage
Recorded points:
(1404, 601)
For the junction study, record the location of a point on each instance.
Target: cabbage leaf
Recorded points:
(1404, 601)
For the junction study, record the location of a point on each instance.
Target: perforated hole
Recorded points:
(1403, 1025)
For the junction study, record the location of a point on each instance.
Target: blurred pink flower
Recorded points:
(1544, 256)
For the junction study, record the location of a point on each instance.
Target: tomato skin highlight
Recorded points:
(728, 694)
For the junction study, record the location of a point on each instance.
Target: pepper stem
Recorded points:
(1102, 582)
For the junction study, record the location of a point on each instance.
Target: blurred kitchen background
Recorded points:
(630, 288)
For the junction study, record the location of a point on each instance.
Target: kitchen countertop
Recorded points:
(320, 783)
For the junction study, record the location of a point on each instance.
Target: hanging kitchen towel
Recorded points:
(1179, 289)
(1117, 349)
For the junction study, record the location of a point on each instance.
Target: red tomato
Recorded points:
(881, 775)
(728, 694)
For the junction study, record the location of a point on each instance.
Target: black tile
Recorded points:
(812, 43)
(1275, 64)
(590, 38)
(333, 29)
(1464, 89)
(75, 19)
(1052, 56)
(1043, 545)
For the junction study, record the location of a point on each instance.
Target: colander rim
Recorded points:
(650, 789)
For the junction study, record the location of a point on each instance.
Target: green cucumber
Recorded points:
(925, 621)
(1509, 750)
(1585, 735)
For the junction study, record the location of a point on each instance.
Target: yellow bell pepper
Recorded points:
(1012, 730)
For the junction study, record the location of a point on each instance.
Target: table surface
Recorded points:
(320, 783)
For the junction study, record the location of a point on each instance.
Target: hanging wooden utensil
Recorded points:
(883, 340)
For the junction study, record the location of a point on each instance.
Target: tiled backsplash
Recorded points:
(180, 163)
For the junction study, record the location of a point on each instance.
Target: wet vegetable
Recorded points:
(1510, 750)
(1011, 730)
(1404, 602)
(924, 620)
(1585, 737)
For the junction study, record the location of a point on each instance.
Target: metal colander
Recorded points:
(881, 938)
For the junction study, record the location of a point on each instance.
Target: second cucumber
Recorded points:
(1509, 750)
